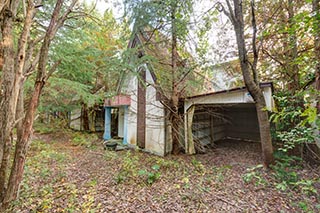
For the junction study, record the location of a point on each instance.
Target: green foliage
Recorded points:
(284, 170)
(306, 186)
(303, 206)
(129, 168)
(41, 164)
(289, 110)
(110, 155)
(254, 174)
(90, 50)
(294, 119)
(286, 176)
(133, 171)
(55, 125)
(220, 172)
(296, 136)
(197, 165)
(83, 139)
(166, 163)
(151, 176)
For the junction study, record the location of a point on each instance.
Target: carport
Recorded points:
(228, 114)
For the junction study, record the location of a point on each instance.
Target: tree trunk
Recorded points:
(174, 114)
(7, 98)
(22, 148)
(85, 118)
(293, 68)
(316, 11)
(15, 178)
(237, 20)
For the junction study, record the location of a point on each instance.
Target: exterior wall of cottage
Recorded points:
(155, 119)
(131, 90)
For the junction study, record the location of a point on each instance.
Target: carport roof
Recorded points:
(262, 85)
(231, 96)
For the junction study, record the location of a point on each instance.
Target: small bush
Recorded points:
(151, 176)
(254, 174)
(83, 139)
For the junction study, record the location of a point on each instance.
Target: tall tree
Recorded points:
(316, 13)
(12, 80)
(168, 21)
(235, 13)
(91, 49)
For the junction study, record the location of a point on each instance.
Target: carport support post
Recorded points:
(107, 123)
(188, 131)
(125, 125)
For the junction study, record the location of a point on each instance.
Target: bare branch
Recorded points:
(62, 19)
(230, 14)
(53, 69)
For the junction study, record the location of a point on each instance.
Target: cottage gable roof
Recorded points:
(153, 45)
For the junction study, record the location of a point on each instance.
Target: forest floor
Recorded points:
(71, 172)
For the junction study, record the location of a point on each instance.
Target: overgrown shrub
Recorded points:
(83, 139)
(294, 128)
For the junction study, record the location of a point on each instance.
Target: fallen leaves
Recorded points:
(80, 179)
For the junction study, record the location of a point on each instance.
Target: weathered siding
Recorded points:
(121, 122)
(209, 125)
(155, 118)
(218, 127)
(131, 89)
(201, 128)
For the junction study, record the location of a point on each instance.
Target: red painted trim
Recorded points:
(119, 100)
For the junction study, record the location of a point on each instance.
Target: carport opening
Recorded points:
(215, 124)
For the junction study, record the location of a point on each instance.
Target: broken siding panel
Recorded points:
(201, 128)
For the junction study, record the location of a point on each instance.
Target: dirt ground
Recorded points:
(63, 177)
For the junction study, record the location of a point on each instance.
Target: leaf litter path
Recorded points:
(96, 180)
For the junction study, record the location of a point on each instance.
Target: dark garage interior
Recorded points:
(217, 122)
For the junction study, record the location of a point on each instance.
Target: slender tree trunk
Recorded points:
(174, 115)
(85, 118)
(20, 113)
(22, 148)
(293, 68)
(236, 17)
(316, 11)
